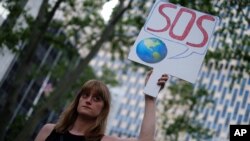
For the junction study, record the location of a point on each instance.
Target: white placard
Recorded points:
(174, 40)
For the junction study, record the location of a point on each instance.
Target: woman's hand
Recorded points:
(161, 82)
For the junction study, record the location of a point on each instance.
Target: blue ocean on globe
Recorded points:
(151, 50)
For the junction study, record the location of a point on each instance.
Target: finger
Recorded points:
(165, 75)
(164, 78)
(160, 82)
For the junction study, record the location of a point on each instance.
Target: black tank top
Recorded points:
(55, 136)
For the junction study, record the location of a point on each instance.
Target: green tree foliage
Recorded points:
(233, 38)
(8, 38)
(16, 127)
(180, 112)
(35, 32)
(71, 76)
(93, 42)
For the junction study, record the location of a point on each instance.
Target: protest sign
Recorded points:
(173, 40)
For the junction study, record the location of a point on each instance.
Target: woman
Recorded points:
(86, 117)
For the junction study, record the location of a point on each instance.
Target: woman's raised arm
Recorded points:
(147, 132)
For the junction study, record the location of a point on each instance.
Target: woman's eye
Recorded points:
(97, 98)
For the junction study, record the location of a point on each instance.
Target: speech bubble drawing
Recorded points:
(188, 28)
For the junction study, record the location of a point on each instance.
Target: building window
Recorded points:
(242, 86)
(217, 117)
(234, 97)
(228, 119)
(223, 95)
(224, 109)
(236, 110)
(239, 119)
(219, 130)
(211, 81)
(246, 117)
(245, 98)
(221, 82)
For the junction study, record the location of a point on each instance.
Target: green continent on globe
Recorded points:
(156, 55)
(151, 43)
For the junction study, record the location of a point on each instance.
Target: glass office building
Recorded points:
(231, 100)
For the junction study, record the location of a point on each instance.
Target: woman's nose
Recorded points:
(88, 100)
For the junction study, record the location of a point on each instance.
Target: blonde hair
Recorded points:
(68, 117)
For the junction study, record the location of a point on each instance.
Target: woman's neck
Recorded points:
(81, 125)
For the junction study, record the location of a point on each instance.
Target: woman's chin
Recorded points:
(87, 115)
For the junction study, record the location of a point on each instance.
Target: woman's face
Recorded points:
(90, 104)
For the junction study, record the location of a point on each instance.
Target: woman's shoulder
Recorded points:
(47, 128)
(45, 131)
(113, 138)
(109, 138)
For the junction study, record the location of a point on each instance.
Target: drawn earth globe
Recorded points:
(151, 50)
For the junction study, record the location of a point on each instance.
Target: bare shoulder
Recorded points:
(113, 138)
(109, 138)
(44, 132)
(49, 126)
